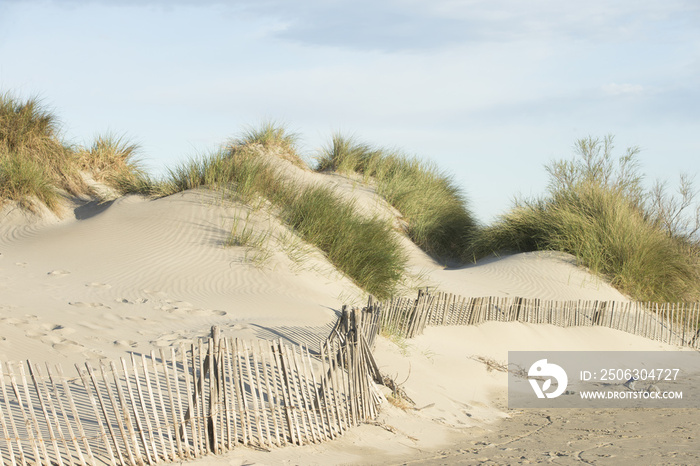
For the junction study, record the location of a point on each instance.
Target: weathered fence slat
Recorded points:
(17, 438)
(134, 408)
(153, 411)
(44, 399)
(103, 407)
(266, 381)
(27, 423)
(163, 409)
(229, 389)
(138, 412)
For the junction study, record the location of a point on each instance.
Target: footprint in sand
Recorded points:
(190, 311)
(93, 354)
(160, 294)
(129, 301)
(103, 286)
(125, 343)
(58, 273)
(178, 304)
(206, 312)
(172, 339)
(50, 333)
(34, 334)
(12, 321)
(112, 317)
(68, 346)
(82, 304)
(56, 341)
(53, 340)
(28, 320)
(91, 326)
(60, 329)
(135, 318)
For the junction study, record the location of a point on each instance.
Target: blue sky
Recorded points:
(489, 90)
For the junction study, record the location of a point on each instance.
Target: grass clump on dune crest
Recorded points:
(273, 138)
(597, 210)
(35, 165)
(346, 154)
(434, 208)
(240, 172)
(114, 161)
(366, 250)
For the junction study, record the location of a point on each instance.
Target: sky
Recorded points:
(489, 90)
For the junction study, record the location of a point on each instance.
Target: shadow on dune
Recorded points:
(91, 209)
(311, 337)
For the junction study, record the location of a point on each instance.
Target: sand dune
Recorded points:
(136, 274)
(142, 273)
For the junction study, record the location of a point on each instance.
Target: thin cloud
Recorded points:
(420, 25)
(626, 88)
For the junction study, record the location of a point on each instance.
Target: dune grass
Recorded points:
(273, 137)
(22, 179)
(238, 171)
(434, 208)
(366, 250)
(115, 161)
(597, 210)
(255, 240)
(347, 154)
(36, 165)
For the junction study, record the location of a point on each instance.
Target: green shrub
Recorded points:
(597, 210)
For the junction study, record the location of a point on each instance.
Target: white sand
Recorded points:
(139, 274)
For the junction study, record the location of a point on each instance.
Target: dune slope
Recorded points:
(139, 273)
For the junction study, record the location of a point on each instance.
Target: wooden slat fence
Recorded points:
(207, 398)
(673, 323)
